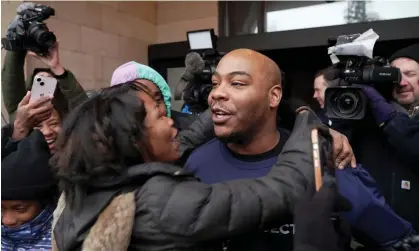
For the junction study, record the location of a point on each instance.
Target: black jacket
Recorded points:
(157, 206)
(182, 120)
(8, 145)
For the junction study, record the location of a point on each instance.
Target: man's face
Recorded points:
(407, 92)
(50, 128)
(319, 89)
(239, 99)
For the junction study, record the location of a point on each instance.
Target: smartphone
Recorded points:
(318, 179)
(42, 87)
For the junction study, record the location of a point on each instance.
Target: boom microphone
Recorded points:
(194, 66)
(194, 63)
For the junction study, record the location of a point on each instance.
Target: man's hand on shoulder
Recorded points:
(343, 154)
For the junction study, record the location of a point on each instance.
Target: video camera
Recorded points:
(27, 30)
(354, 69)
(195, 84)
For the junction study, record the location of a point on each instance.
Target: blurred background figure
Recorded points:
(28, 196)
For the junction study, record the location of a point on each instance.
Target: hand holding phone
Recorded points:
(318, 180)
(29, 115)
(42, 87)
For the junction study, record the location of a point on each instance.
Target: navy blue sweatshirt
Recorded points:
(214, 162)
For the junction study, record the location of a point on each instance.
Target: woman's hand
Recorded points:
(52, 60)
(29, 115)
(342, 150)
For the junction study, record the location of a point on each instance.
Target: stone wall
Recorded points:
(96, 37)
(175, 18)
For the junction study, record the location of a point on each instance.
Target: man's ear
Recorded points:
(275, 96)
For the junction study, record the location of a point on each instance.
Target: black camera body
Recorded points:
(201, 63)
(28, 32)
(347, 100)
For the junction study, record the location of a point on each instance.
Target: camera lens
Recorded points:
(42, 83)
(46, 38)
(347, 103)
(41, 38)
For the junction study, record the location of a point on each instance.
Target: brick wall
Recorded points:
(96, 37)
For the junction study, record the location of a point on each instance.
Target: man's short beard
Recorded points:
(235, 138)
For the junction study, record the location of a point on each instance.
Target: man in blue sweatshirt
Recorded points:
(244, 100)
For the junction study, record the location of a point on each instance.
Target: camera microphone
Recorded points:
(194, 65)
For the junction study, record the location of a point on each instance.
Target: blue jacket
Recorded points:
(390, 155)
(370, 214)
(402, 133)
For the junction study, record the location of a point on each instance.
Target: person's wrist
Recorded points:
(58, 70)
(20, 131)
(383, 112)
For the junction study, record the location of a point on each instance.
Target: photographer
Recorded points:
(387, 151)
(14, 87)
(28, 33)
(401, 126)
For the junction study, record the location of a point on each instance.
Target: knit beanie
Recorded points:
(25, 173)
(132, 70)
(411, 52)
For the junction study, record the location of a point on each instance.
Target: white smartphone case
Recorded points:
(42, 87)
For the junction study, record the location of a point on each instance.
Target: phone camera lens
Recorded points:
(38, 79)
(42, 83)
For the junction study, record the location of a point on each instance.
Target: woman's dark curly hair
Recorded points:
(100, 137)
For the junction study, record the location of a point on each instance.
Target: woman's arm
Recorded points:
(198, 133)
(73, 93)
(199, 212)
(71, 89)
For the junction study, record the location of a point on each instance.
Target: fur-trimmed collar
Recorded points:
(113, 228)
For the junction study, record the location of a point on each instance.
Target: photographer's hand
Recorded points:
(52, 60)
(381, 108)
(29, 115)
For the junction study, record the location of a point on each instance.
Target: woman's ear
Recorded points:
(275, 96)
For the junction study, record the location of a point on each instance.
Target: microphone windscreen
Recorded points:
(194, 63)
